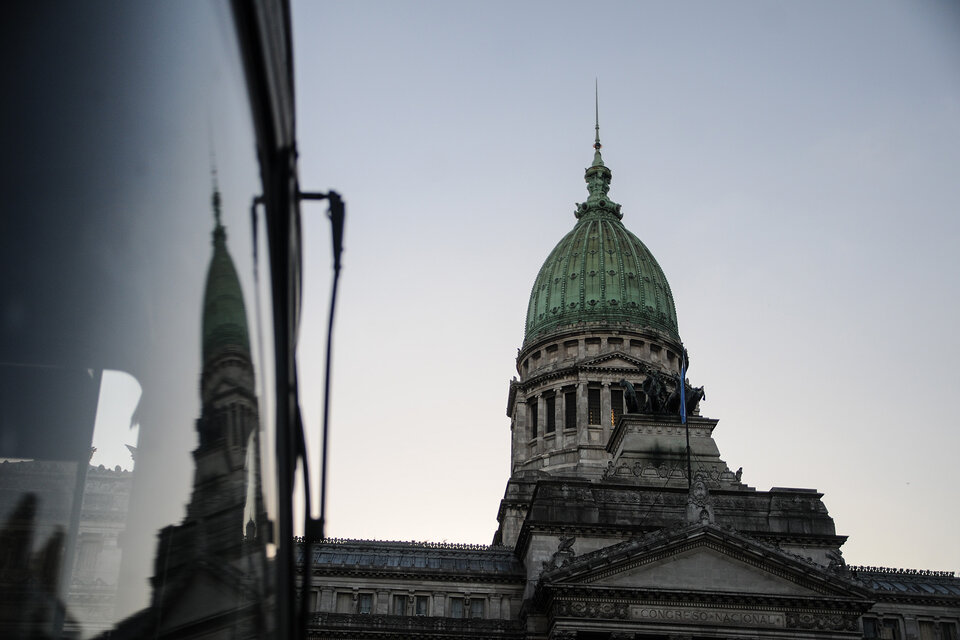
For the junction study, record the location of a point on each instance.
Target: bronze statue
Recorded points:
(653, 392)
(630, 395)
(693, 396)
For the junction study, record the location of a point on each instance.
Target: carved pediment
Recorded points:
(616, 360)
(701, 558)
(705, 568)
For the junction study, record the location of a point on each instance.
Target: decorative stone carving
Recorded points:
(699, 502)
(834, 622)
(836, 561)
(563, 555)
(581, 609)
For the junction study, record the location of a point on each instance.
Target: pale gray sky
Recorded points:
(792, 166)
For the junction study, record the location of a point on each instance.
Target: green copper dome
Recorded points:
(224, 315)
(600, 273)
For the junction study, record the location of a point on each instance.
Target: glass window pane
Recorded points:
(551, 417)
(616, 404)
(422, 602)
(593, 406)
(570, 410)
(365, 603)
(534, 417)
(476, 608)
(130, 163)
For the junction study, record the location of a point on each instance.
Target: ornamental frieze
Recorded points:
(584, 609)
(614, 496)
(757, 619)
(832, 622)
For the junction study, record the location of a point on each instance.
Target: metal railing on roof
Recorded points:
(422, 544)
(901, 572)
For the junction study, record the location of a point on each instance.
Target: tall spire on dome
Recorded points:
(598, 175)
(597, 160)
(224, 312)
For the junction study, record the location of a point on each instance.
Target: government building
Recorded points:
(620, 519)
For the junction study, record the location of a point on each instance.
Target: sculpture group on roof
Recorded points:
(658, 395)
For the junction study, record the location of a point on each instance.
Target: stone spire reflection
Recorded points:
(217, 554)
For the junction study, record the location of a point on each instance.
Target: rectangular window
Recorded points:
(890, 630)
(534, 418)
(399, 605)
(365, 603)
(456, 607)
(616, 405)
(420, 606)
(570, 410)
(551, 409)
(948, 630)
(344, 603)
(476, 608)
(593, 406)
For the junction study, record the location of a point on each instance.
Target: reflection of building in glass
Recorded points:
(209, 571)
(61, 519)
(605, 531)
(41, 516)
(103, 518)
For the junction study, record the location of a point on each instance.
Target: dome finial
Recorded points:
(216, 194)
(219, 233)
(597, 160)
(597, 175)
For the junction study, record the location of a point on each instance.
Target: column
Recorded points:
(583, 436)
(605, 411)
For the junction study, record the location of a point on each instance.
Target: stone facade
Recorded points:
(37, 521)
(620, 519)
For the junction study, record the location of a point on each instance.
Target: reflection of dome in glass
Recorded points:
(600, 273)
(224, 316)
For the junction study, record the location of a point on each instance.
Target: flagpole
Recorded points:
(683, 411)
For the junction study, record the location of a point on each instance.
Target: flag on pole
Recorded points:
(683, 387)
